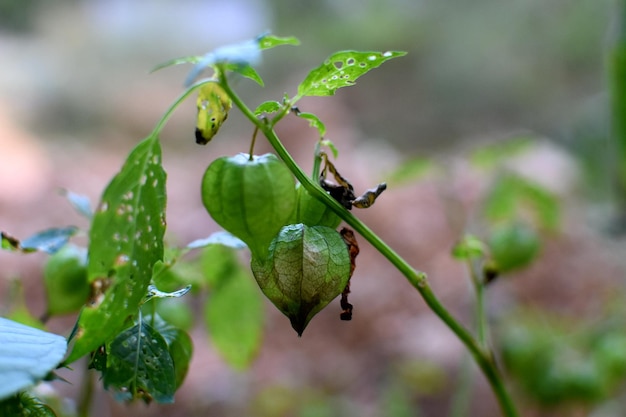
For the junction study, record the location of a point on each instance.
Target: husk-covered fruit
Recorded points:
(307, 267)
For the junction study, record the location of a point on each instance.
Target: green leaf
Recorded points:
(139, 365)
(79, 202)
(234, 318)
(330, 145)
(126, 239)
(25, 405)
(49, 241)
(271, 41)
(246, 71)
(191, 59)
(180, 347)
(512, 196)
(27, 355)
(268, 107)
(342, 69)
(218, 263)
(65, 280)
(315, 122)
(469, 247)
(9, 242)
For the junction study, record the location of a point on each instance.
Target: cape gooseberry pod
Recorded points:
(313, 212)
(252, 198)
(307, 267)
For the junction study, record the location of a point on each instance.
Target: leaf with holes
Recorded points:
(342, 69)
(125, 241)
(139, 366)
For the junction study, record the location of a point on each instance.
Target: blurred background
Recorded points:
(76, 94)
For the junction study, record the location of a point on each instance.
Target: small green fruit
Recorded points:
(313, 212)
(65, 280)
(252, 198)
(307, 267)
(513, 246)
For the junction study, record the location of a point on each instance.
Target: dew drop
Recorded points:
(387, 54)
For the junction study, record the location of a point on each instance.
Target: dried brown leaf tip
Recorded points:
(342, 191)
(353, 250)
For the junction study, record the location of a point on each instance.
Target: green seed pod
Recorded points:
(307, 268)
(513, 246)
(65, 280)
(313, 212)
(250, 198)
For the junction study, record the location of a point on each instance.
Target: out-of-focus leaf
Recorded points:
(315, 122)
(192, 59)
(234, 318)
(246, 71)
(27, 355)
(512, 196)
(342, 69)
(9, 242)
(48, 241)
(81, 203)
(218, 238)
(268, 107)
(126, 240)
(65, 280)
(330, 145)
(218, 263)
(491, 156)
(270, 41)
(139, 365)
(242, 54)
(24, 405)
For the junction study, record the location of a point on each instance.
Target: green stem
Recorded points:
(161, 123)
(482, 329)
(86, 394)
(483, 358)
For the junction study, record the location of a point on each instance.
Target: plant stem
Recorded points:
(478, 282)
(617, 91)
(86, 394)
(483, 357)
